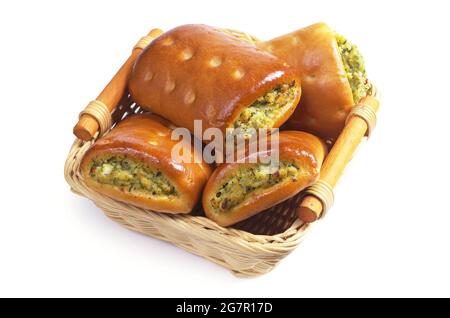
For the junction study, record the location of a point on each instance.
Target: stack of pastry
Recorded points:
(305, 82)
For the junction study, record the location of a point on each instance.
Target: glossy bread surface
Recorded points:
(326, 93)
(146, 138)
(303, 149)
(199, 72)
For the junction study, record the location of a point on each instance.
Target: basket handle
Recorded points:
(97, 114)
(319, 197)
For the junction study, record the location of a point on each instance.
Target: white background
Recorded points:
(387, 235)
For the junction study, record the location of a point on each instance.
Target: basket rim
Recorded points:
(243, 252)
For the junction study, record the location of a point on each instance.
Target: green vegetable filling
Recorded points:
(249, 179)
(264, 112)
(354, 67)
(131, 176)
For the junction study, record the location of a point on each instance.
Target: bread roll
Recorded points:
(332, 74)
(133, 164)
(236, 191)
(198, 72)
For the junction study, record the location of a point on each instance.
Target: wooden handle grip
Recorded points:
(310, 208)
(87, 125)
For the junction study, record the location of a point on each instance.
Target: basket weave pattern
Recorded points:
(252, 247)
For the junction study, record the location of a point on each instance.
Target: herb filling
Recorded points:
(266, 109)
(354, 67)
(131, 176)
(249, 179)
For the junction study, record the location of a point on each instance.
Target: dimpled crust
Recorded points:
(199, 72)
(146, 139)
(327, 96)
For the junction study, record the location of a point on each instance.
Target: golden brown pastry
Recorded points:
(332, 74)
(133, 164)
(236, 191)
(200, 72)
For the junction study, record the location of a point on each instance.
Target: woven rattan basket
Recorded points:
(252, 247)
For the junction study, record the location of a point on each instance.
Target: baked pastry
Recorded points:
(133, 164)
(198, 72)
(332, 73)
(236, 191)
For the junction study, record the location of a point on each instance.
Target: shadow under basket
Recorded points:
(249, 248)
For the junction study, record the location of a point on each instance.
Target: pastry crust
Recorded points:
(146, 139)
(198, 72)
(304, 150)
(327, 95)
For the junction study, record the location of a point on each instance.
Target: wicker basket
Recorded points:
(250, 248)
